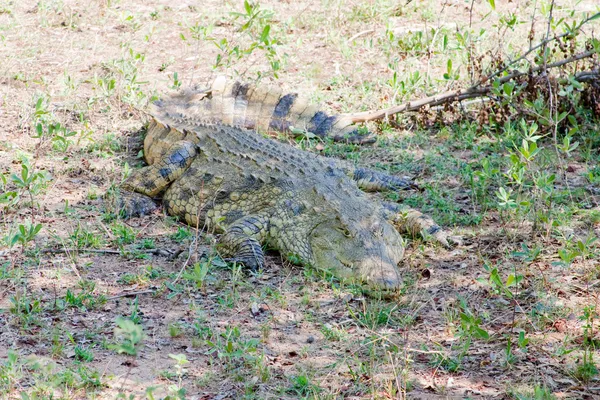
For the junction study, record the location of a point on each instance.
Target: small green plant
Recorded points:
(198, 274)
(108, 145)
(124, 234)
(526, 254)
(470, 326)
(25, 309)
(254, 25)
(176, 82)
(58, 134)
(374, 314)
(182, 234)
(175, 330)
(83, 238)
(83, 354)
(25, 233)
(178, 391)
(539, 393)
(236, 351)
(135, 316)
(128, 336)
(495, 281)
(523, 341)
(147, 244)
(302, 386)
(30, 181)
(58, 346)
(8, 198)
(509, 356)
(589, 316)
(84, 300)
(11, 371)
(332, 333)
(586, 369)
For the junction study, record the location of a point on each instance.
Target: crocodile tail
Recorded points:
(261, 107)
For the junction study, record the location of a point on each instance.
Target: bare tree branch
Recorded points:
(474, 91)
(480, 89)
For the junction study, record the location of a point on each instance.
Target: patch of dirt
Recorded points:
(286, 332)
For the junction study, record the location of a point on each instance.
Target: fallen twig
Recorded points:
(160, 252)
(127, 294)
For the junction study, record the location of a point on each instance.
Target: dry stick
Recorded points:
(540, 44)
(104, 251)
(359, 34)
(462, 94)
(477, 90)
(127, 294)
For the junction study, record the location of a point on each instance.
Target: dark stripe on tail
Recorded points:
(282, 109)
(316, 120)
(356, 137)
(324, 127)
(235, 88)
(243, 90)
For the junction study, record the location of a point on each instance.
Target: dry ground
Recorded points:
(286, 332)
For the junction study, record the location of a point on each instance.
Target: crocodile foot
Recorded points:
(129, 204)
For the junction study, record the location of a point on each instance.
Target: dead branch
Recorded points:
(159, 252)
(130, 294)
(483, 88)
(477, 90)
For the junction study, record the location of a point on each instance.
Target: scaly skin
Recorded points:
(262, 108)
(258, 191)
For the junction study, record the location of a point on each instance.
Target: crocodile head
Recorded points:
(366, 249)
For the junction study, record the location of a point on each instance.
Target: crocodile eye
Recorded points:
(345, 232)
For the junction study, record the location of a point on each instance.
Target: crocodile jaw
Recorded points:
(369, 255)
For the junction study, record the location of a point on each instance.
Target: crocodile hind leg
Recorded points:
(415, 223)
(135, 197)
(241, 241)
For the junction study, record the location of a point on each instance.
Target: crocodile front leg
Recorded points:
(241, 241)
(370, 180)
(135, 197)
(413, 222)
(374, 181)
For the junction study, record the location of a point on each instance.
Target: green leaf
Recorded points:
(495, 278)
(37, 229)
(492, 4)
(481, 333)
(513, 280)
(265, 34)
(39, 129)
(24, 173)
(14, 239)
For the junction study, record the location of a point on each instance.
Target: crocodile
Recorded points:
(257, 191)
(266, 109)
